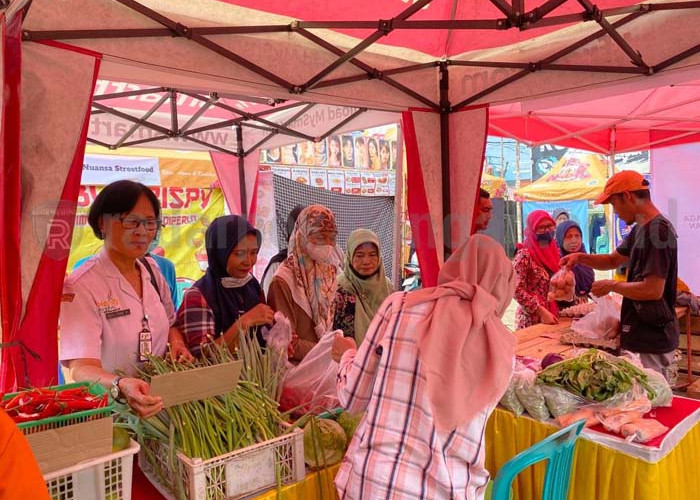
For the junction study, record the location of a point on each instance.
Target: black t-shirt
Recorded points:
(651, 326)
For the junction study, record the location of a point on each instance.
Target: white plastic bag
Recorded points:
(602, 323)
(312, 383)
(277, 339)
(562, 286)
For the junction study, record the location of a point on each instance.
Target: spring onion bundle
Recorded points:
(217, 425)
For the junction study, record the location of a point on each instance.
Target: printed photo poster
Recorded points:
(319, 178)
(373, 153)
(273, 155)
(186, 214)
(394, 155)
(290, 155)
(307, 153)
(348, 150)
(369, 183)
(384, 154)
(285, 172)
(353, 182)
(265, 222)
(336, 180)
(301, 175)
(334, 151)
(361, 159)
(321, 153)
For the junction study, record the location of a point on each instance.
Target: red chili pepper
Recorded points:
(12, 402)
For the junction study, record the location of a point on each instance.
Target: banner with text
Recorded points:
(186, 214)
(100, 170)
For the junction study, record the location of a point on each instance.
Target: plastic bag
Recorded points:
(509, 400)
(530, 395)
(560, 401)
(602, 323)
(277, 339)
(642, 430)
(562, 286)
(614, 415)
(312, 383)
(664, 393)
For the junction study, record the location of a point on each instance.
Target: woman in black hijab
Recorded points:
(227, 299)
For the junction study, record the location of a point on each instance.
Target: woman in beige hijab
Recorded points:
(430, 371)
(362, 287)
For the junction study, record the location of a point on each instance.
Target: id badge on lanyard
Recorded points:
(145, 340)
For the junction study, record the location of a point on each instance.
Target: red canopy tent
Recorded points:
(440, 62)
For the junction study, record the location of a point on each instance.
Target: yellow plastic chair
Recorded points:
(557, 449)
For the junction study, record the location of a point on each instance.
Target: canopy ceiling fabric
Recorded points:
(629, 121)
(126, 114)
(286, 49)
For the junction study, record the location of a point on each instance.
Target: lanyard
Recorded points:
(145, 337)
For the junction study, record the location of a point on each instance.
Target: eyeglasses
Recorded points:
(544, 229)
(130, 222)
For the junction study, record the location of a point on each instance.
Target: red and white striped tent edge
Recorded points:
(422, 58)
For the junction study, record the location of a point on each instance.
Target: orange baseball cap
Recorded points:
(627, 180)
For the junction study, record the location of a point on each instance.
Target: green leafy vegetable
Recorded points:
(595, 376)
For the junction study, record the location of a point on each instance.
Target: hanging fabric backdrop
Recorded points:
(578, 212)
(351, 212)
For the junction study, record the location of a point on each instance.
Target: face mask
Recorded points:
(545, 237)
(325, 254)
(231, 282)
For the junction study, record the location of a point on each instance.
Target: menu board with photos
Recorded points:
(319, 178)
(353, 182)
(336, 180)
(301, 174)
(285, 172)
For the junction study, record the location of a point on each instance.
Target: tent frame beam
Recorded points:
(523, 20)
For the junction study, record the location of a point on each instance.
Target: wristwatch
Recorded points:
(115, 392)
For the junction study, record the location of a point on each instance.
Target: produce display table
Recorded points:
(316, 486)
(539, 340)
(599, 472)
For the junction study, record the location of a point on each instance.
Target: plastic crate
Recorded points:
(70, 419)
(232, 475)
(104, 478)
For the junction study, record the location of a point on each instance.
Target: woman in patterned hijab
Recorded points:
(304, 286)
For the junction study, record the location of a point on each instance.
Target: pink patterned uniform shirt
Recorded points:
(397, 453)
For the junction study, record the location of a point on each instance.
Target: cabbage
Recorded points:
(349, 423)
(324, 442)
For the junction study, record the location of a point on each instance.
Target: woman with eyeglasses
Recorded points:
(536, 260)
(115, 308)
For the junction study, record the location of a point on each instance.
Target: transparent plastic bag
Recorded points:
(311, 384)
(602, 323)
(277, 339)
(664, 393)
(530, 395)
(560, 401)
(509, 400)
(562, 286)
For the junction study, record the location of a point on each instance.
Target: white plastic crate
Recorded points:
(104, 478)
(232, 475)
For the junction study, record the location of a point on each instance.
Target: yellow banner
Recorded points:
(186, 213)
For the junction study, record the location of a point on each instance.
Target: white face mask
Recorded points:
(326, 254)
(231, 282)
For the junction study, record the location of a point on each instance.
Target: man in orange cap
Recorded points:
(648, 324)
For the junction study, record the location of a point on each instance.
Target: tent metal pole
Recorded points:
(291, 119)
(135, 126)
(548, 60)
(241, 170)
(445, 158)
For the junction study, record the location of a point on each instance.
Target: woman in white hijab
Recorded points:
(430, 371)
